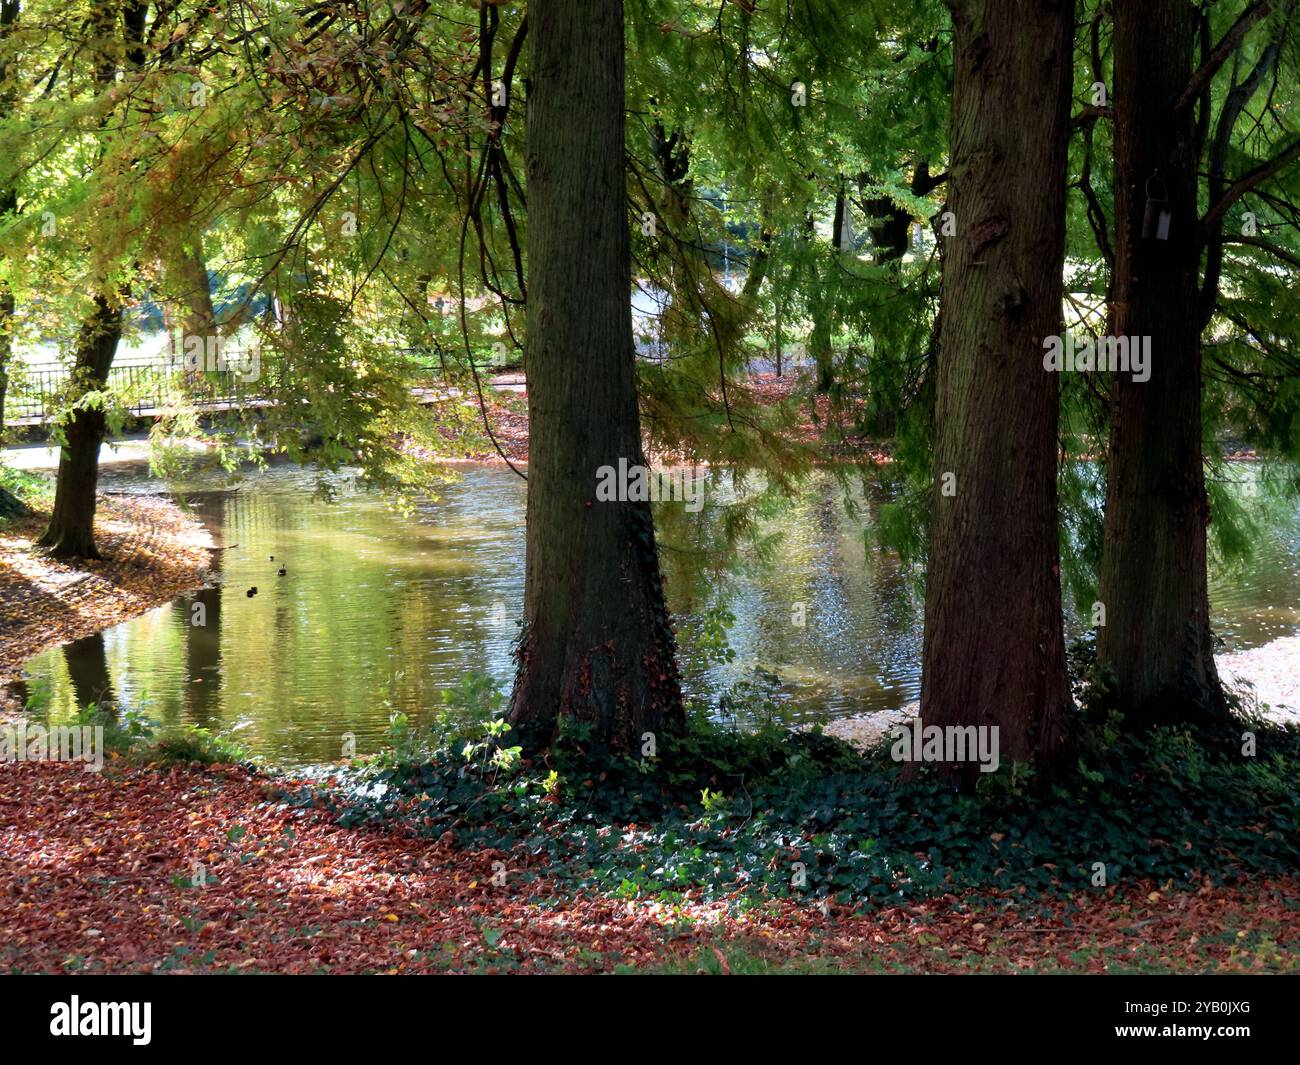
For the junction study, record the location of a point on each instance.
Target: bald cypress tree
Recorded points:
(994, 650)
(596, 646)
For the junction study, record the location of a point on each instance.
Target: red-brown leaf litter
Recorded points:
(99, 873)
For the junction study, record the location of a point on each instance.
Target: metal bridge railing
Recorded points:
(37, 391)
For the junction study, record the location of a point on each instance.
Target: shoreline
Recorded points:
(153, 552)
(1268, 675)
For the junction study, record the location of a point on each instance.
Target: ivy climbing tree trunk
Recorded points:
(71, 532)
(994, 651)
(596, 646)
(1156, 640)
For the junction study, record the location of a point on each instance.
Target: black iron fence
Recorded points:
(149, 386)
(144, 386)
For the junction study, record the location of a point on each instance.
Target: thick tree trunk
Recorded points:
(6, 345)
(597, 645)
(9, 11)
(71, 532)
(1156, 640)
(994, 650)
(191, 269)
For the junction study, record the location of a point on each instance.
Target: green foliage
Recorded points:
(708, 634)
(129, 734)
(467, 723)
(194, 745)
(722, 812)
(31, 489)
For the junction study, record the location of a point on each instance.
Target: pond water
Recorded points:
(379, 611)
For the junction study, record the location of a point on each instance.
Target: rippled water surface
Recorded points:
(379, 611)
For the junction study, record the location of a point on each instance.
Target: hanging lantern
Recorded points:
(1157, 216)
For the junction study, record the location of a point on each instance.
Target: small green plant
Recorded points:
(488, 753)
(467, 717)
(713, 801)
(125, 731)
(709, 635)
(401, 745)
(195, 745)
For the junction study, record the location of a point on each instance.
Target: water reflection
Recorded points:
(88, 673)
(378, 611)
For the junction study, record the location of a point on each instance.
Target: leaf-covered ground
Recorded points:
(140, 870)
(830, 426)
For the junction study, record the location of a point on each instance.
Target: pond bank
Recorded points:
(153, 552)
(1269, 674)
(381, 611)
(814, 420)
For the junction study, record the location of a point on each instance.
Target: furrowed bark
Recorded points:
(597, 646)
(1156, 642)
(994, 650)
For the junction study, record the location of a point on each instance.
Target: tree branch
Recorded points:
(1267, 245)
(1230, 42)
(1244, 184)
(1238, 97)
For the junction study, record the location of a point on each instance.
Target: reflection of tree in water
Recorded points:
(203, 655)
(87, 661)
(203, 641)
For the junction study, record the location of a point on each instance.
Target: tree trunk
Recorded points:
(191, 271)
(6, 345)
(821, 340)
(11, 506)
(994, 651)
(71, 533)
(597, 645)
(891, 225)
(8, 205)
(778, 339)
(1156, 641)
